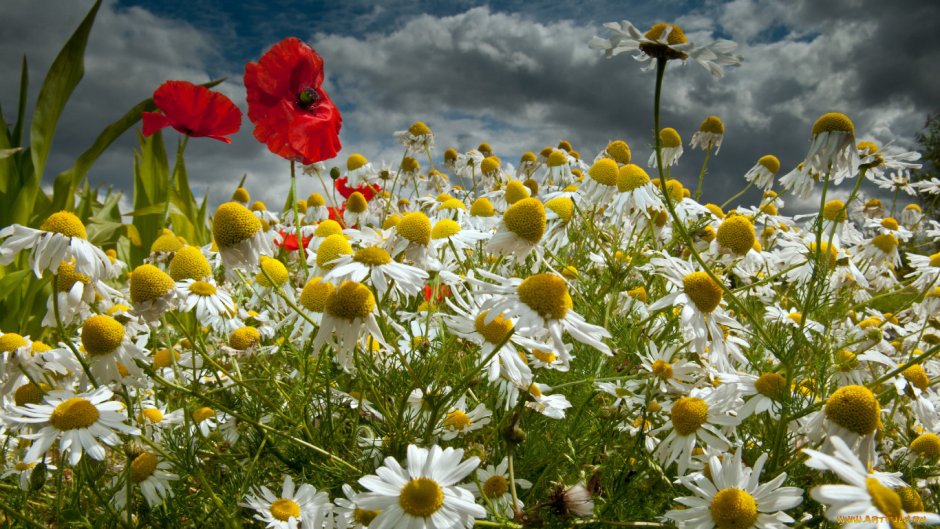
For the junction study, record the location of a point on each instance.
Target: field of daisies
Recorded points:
(454, 340)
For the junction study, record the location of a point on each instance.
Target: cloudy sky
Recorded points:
(516, 74)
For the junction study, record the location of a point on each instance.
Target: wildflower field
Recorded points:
(454, 340)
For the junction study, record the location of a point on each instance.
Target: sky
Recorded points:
(518, 75)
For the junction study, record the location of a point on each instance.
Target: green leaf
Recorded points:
(17, 138)
(151, 188)
(64, 75)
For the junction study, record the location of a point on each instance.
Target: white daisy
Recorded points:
(347, 314)
(240, 237)
(493, 482)
(383, 273)
(213, 305)
(697, 419)
(424, 494)
(763, 173)
(149, 472)
(296, 507)
(60, 238)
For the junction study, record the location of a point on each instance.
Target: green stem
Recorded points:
(701, 174)
(737, 195)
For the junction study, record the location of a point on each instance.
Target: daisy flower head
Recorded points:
(295, 508)
(493, 482)
(152, 291)
(926, 269)
(601, 183)
(152, 475)
(558, 167)
(111, 352)
(542, 305)
(348, 312)
(709, 134)
(697, 419)
(870, 496)
(449, 238)
(60, 238)
(213, 306)
(239, 236)
(459, 421)
(670, 148)
(413, 237)
(424, 494)
(832, 150)
(731, 496)
(735, 235)
(618, 151)
(763, 173)
(358, 170)
(636, 192)
(80, 422)
(667, 42)
(376, 263)
(520, 230)
(316, 208)
(852, 414)
(357, 210)
(417, 138)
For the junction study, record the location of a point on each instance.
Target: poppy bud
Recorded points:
(334, 173)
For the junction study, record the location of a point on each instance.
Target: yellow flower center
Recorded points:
(28, 393)
(771, 385)
(73, 414)
(935, 260)
(516, 191)
(556, 159)
(910, 499)
(712, 124)
(526, 218)
(258, 205)
(364, 517)
(162, 359)
(927, 446)
(561, 206)
(886, 500)
(885, 242)
(419, 128)
(315, 200)
(421, 497)
(770, 162)
(527, 157)
(675, 190)
(917, 376)
(233, 223)
(331, 249)
(715, 210)
(702, 290)
(241, 195)
(482, 207)
(315, 293)
(356, 203)
(275, 270)
(372, 256)
(445, 228)
(149, 283)
(733, 508)
(457, 420)
(244, 338)
(202, 414)
(284, 509)
(890, 224)
(64, 223)
(328, 227)
(834, 210)
(604, 171)
(676, 35)
(737, 234)
(854, 408)
(202, 288)
(490, 165)
(825, 248)
(410, 165)
(669, 138)
(547, 357)
(10, 342)
(351, 300)
(415, 227)
(152, 415)
(452, 204)
(833, 122)
(66, 277)
(355, 161)
(495, 331)
(546, 294)
(101, 334)
(143, 466)
(662, 369)
(688, 415)
(189, 263)
(495, 486)
(619, 151)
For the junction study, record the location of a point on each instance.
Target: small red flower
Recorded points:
(289, 241)
(292, 113)
(193, 110)
(336, 214)
(367, 190)
(443, 291)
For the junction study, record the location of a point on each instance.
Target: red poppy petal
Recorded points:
(288, 67)
(154, 121)
(197, 111)
(316, 136)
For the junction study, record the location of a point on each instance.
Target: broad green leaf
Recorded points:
(64, 75)
(6, 153)
(151, 179)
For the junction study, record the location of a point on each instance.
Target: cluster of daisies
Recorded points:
(778, 370)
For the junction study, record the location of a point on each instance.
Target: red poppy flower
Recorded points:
(336, 214)
(289, 241)
(193, 110)
(367, 190)
(292, 114)
(443, 291)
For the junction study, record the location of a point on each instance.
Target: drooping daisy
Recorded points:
(418, 137)
(731, 496)
(926, 270)
(425, 493)
(493, 482)
(296, 507)
(637, 194)
(520, 230)
(866, 494)
(80, 422)
(542, 305)
(239, 236)
(601, 183)
(552, 405)
(666, 41)
(832, 150)
(763, 173)
(111, 352)
(709, 134)
(60, 238)
(449, 239)
(151, 474)
(348, 313)
(670, 148)
(852, 414)
(75, 295)
(152, 291)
